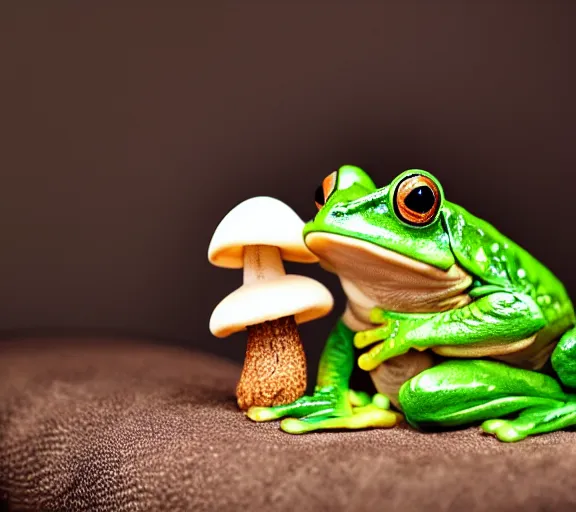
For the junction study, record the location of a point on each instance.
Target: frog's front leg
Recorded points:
(333, 405)
(500, 318)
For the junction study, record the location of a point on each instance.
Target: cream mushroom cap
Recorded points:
(260, 220)
(255, 303)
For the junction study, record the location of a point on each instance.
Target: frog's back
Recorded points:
(494, 259)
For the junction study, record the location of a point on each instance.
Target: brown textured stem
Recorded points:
(274, 370)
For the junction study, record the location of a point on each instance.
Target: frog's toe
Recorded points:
(262, 413)
(504, 430)
(362, 399)
(368, 416)
(381, 401)
(358, 398)
(491, 426)
(296, 426)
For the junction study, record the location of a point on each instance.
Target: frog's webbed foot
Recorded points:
(369, 416)
(375, 414)
(323, 401)
(354, 410)
(536, 420)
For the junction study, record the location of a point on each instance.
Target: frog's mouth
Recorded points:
(372, 275)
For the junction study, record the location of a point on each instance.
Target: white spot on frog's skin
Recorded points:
(481, 255)
(544, 300)
(480, 232)
(491, 388)
(521, 273)
(495, 247)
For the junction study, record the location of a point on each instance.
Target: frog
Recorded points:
(456, 324)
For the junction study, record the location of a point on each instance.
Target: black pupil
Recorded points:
(319, 196)
(420, 200)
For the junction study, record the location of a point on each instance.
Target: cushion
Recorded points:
(118, 425)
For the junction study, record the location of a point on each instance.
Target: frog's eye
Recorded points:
(417, 200)
(324, 191)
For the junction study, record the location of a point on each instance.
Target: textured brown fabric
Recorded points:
(117, 426)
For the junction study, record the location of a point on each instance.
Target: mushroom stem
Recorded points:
(274, 371)
(262, 262)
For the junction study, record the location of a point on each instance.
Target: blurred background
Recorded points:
(128, 133)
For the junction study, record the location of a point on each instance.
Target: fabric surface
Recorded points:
(112, 425)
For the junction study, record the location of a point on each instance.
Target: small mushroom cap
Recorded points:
(260, 220)
(255, 303)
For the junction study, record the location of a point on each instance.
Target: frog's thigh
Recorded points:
(460, 392)
(564, 358)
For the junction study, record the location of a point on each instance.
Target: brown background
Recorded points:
(128, 133)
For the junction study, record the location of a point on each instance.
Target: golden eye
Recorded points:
(324, 191)
(417, 199)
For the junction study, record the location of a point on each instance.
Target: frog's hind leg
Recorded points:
(466, 392)
(564, 358)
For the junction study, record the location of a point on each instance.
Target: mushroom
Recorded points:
(257, 235)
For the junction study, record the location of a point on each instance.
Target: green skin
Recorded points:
(513, 297)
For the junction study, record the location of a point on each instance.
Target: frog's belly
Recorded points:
(390, 375)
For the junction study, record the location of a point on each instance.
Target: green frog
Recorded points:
(456, 324)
